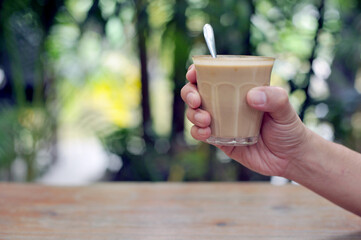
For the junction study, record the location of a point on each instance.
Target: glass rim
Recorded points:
(233, 60)
(233, 57)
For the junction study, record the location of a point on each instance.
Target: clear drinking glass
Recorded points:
(223, 83)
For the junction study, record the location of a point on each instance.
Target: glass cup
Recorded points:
(223, 83)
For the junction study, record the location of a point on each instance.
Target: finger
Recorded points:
(190, 95)
(199, 117)
(273, 100)
(200, 134)
(191, 74)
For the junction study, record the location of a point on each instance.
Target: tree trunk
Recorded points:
(141, 28)
(248, 48)
(308, 100)
(181, 54)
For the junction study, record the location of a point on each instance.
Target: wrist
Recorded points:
(306, 163)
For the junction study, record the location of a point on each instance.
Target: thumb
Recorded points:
(273, 100)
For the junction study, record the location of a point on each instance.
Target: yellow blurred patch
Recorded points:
(116, 97)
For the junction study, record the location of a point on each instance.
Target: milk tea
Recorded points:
(223, 83)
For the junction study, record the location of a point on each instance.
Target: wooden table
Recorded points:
(171, 211)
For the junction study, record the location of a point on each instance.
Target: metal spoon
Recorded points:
(209, 37)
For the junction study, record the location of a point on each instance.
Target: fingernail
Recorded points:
(202, 131)
(190, 67)
(258, 98)
(198, 117)
(190, 99)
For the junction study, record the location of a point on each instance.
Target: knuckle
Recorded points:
(185, 90)
(194, 132)
(189, 114)
(202, 117)
(208, 117)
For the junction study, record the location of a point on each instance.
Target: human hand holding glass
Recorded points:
(282, 135)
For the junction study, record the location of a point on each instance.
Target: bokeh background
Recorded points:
(89, 89)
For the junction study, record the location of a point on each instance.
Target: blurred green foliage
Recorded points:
(117, 67)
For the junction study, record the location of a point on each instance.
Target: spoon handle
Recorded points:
(209, 37)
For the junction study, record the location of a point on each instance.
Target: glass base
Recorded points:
(232, 141)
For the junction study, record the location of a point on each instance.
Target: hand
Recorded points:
(283, 136)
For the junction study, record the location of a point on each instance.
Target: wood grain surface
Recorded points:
(171, 211)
